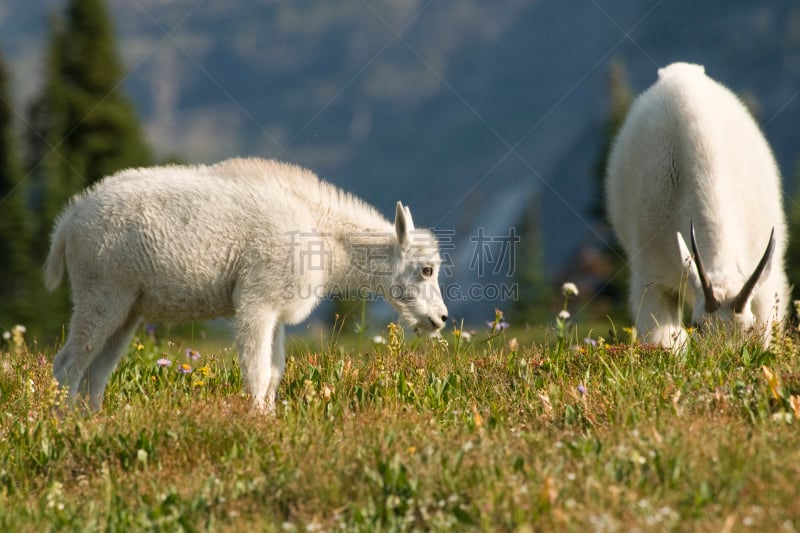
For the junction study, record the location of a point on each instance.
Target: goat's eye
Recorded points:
(427, 271)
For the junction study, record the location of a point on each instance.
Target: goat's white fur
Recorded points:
(261, 240)
(689, 151)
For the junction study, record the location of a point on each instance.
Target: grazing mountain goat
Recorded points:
(690, 160)
(260, 240)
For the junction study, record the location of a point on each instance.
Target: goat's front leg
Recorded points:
(278, 363)
(260, 354)
(658, 315)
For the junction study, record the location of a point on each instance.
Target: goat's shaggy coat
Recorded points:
(689, 153)
(261, 240)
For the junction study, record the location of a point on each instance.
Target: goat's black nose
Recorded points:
(444, 318)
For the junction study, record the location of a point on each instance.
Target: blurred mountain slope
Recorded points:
(461, 109)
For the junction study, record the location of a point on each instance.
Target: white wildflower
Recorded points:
(465, 336)
(54, 495)
(513, 345)
(563, 315)
(569, 289)
(377, 339)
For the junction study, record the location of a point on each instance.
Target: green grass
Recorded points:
(418, 434)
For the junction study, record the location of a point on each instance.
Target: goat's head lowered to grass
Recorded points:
(414, 290)
(726, 304)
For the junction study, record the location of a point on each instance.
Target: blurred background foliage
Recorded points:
(81, 125)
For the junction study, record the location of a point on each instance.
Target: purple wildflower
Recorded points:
(185, 368)
(499, 325)
(194, 355)
(589, 340)
(163, 362)
(582, 389)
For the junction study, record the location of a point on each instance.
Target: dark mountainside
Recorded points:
(462, 110)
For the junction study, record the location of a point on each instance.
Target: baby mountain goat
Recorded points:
(259, 240)
(690, 161)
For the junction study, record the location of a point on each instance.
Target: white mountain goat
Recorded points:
(260, 240)
(690, 160)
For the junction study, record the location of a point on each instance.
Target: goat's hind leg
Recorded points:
(95, 320)
(64, 366)
(95, 377)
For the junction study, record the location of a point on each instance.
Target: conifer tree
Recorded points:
(534, 295)
(793, 250)
(47, 159)
(620, 98)
(16, 268)
(82, 126)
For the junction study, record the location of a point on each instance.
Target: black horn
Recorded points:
(750, 284)
(708, 291)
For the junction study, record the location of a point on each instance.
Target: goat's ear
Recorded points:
(403, 225)
(689, 267)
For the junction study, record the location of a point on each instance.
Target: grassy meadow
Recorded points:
(495, 433)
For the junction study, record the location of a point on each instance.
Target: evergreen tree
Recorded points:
(534, 293)
(793, 250)
(620, 98)
(47, 160)
(16, 268)
(102, 131)
(83, 127)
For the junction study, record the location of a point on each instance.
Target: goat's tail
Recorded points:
(54, 266)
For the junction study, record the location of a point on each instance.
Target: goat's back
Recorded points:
(689, 150)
